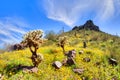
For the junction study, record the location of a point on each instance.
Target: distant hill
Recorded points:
(91, 31)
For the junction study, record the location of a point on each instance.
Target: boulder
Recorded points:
(70, 61)
(18, 47)
(78, 70)
(86, 59)
(71, 53)
(57, 64)
(70, 58)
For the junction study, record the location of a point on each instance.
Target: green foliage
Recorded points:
(51, 35)
(74, 42)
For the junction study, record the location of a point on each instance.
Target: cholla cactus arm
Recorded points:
(36, 34)
(62, 41)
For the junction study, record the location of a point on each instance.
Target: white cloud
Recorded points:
(62, 10)
(106, 10)
(70, 11)
(11, 30)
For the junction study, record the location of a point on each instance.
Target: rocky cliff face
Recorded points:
(89, 25)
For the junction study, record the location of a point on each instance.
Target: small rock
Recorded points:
(113, 61)
(34, 70)
(30, 70)
(81, 52)
(85, 78)
(86, 59)
(57, 64)
(78, 70)
(70, 61)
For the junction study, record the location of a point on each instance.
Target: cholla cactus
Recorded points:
(33, 39)
(61, 42)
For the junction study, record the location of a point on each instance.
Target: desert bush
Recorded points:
(51, 35)
(48, 43)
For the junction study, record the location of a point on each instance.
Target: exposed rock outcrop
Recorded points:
(89, 25)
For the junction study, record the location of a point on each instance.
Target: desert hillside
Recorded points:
(90, 54)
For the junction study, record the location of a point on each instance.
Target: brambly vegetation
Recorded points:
(102, 50)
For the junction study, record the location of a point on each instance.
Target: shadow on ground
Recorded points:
(13, 69)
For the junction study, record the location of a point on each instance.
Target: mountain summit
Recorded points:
(89, 25)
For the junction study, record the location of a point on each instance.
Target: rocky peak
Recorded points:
(89, 25)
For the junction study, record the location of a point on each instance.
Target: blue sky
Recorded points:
(20, 16)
